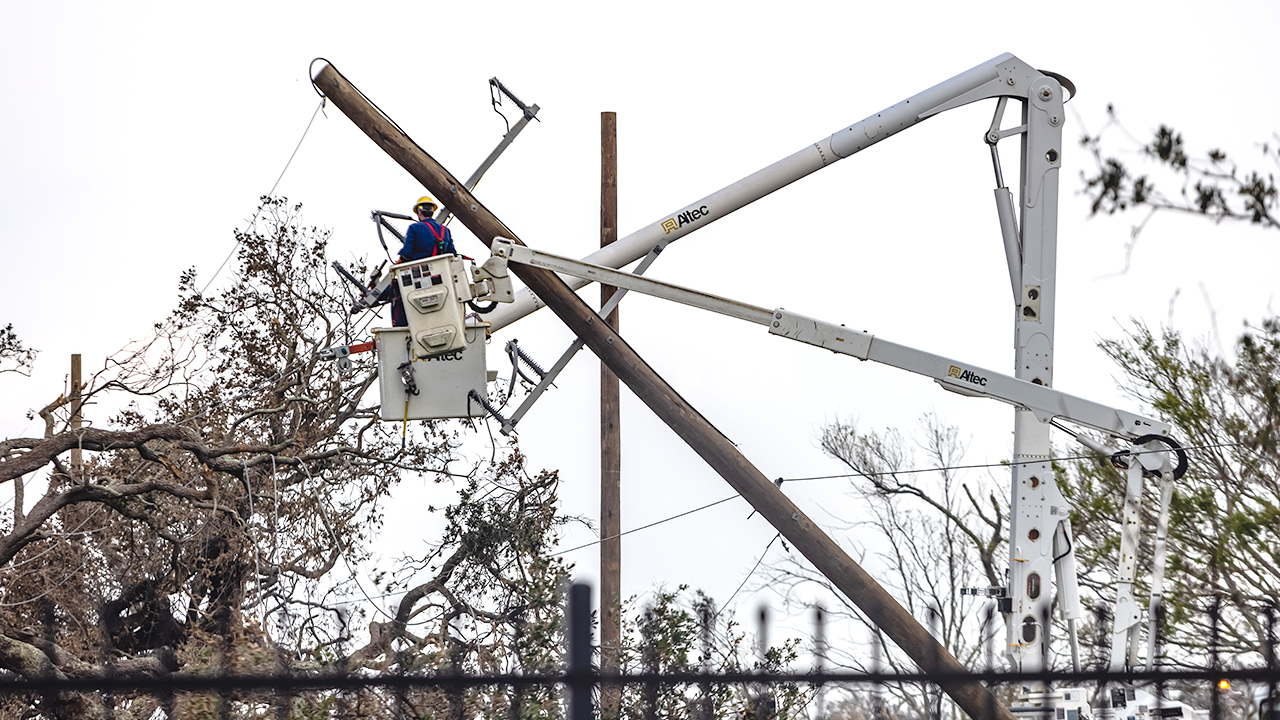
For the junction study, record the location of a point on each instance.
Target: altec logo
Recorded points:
(683, 219)
(967, 376)
(446, 357)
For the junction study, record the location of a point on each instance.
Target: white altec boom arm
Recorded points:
(1040, 544)
(1001, 76)
(1041, 550)
(958, 377)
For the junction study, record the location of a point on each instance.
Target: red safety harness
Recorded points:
(439, 239)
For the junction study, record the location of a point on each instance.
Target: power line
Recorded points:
(749, 574)
(73, 573)
(269, 195)
(1002, 463)
(645, 527)
(370, 599)
(908, 471)
(581, 547)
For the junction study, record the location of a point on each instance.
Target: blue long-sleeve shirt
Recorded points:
(426, 239)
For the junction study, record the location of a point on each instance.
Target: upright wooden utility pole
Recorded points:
(610, 442)
(709, 443)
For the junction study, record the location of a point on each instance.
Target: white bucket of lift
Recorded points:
(443, 381)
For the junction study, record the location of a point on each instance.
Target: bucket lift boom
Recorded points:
(1040, 538)
(1030, 243)
(1040, 541)
(1149, 452)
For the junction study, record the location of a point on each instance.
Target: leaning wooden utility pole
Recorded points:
(718, 452)
(610, 443)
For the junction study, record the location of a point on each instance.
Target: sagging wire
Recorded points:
(645, 527)
(915, 471)
(61, 582)
(779, 482)
(749, 574)
(51, 548)
(1001, 464)
(342, 551)
(590, 544)
(257, 567)
(230, 255)
(275, 528)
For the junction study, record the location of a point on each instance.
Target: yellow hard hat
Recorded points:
(426, 200)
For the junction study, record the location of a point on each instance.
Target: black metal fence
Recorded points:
(578, 686)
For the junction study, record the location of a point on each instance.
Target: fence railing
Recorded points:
(580, 681)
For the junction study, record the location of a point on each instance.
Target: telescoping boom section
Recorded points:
(954, 375)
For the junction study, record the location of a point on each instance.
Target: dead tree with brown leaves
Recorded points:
(220, 516)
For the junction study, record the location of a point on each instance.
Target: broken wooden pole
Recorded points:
(873, 600)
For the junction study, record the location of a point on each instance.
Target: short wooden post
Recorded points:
(77, 420)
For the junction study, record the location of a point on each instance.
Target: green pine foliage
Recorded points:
(1224, 535)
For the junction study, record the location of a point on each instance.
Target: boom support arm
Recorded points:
(965, 379)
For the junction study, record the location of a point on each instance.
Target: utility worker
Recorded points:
(425, 238)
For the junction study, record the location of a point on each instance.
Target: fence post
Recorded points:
(706, 703)
(988, 651)
(649, 664)
(581, 676)
(1271, 665)
(819, 655)
(1215, 702)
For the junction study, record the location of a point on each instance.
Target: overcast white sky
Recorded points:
(135, 137)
